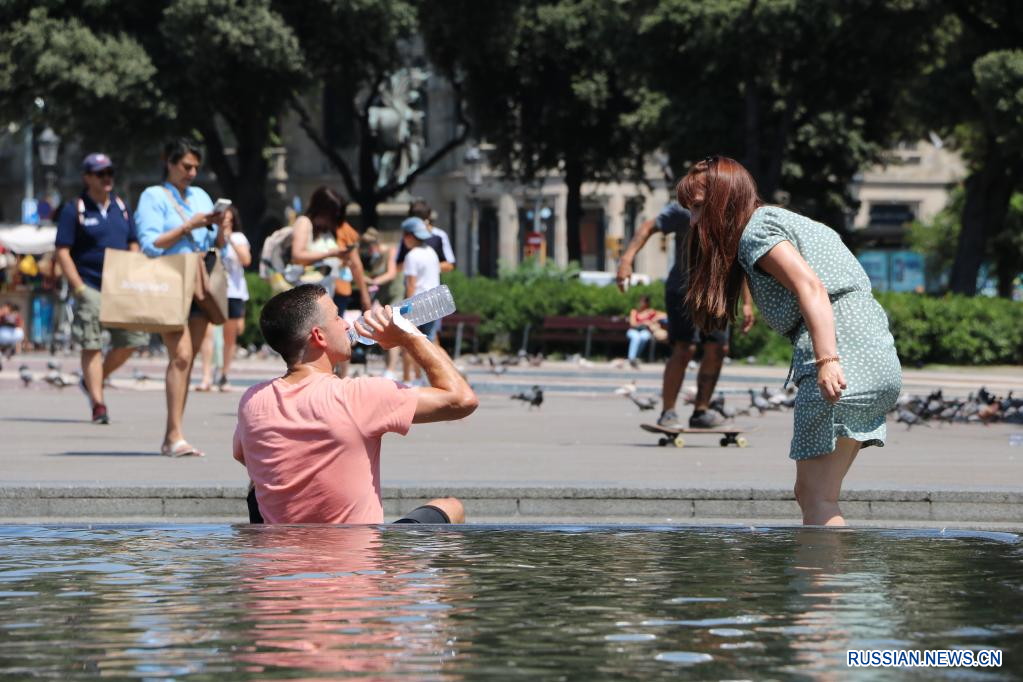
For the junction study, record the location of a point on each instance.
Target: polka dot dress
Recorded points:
(869, 362)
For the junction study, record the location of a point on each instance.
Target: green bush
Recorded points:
(958, 330)
(259, 294)
(949, 330)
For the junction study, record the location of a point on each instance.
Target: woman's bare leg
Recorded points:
(232, 330)
(819, 483)
(181, 354)
(206, 358)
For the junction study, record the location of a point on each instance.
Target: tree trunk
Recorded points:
(574, 208)
(368, 217)
(988, 191)
(245, 185)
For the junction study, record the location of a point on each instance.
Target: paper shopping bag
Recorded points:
(146, 294)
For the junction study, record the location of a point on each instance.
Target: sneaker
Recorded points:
(99, 414)
(85, 392)
(669, 420)
(388, 374)
(708, 419)
(634, 364)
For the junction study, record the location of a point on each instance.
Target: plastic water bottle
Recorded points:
(422, 308)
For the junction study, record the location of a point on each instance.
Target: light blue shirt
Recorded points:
(156, 214)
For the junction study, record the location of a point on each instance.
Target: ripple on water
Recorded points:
(694, 600)
(683, 657)
(630, 637)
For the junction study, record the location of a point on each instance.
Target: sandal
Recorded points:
(180, 448)
(203, 388)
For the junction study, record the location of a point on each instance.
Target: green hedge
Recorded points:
(259, 293)
(954, 330)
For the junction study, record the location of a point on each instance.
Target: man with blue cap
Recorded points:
(96, 221)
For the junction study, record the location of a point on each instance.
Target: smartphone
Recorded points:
(221, 205)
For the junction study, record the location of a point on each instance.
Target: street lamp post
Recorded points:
(49, 143)
(474, 177)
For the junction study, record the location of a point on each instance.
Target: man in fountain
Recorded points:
(311, 441)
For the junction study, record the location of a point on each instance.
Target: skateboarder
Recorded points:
(683, 336)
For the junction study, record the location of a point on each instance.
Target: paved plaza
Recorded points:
(580, 457)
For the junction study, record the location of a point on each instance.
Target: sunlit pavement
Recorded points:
(581, 456)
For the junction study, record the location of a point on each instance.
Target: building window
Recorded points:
(632, 210)
(892, 213)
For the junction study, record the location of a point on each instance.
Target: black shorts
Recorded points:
(425, 514)
(680, 325)
(235, 309)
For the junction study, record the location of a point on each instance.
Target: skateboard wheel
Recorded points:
(679, 442)
(724, 442)
(741, 442)
(662, 442)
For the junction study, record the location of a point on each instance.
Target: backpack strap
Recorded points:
(124, 209)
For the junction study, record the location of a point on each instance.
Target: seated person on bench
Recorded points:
(311, 441)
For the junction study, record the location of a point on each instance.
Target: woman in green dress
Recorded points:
(810, 288)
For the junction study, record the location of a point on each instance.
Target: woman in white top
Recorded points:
(236, 256)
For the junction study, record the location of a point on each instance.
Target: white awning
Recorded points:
(23, 239)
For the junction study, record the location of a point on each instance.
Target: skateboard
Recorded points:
(729, 435)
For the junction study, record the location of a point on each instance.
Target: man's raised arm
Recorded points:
(448, 397)
(639, 240)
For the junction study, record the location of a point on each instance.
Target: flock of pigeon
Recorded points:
(759, 402)
(981, 407)
(58, 379)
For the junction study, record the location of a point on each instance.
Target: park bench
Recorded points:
(584, 329)
(461, 328)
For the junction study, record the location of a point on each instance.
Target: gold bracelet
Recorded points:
(823, 361)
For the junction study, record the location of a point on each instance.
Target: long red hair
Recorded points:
(726, 196)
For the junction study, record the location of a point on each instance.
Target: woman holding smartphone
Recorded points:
(175, 217)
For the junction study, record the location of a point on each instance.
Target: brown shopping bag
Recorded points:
(146, 294)
(211, 287)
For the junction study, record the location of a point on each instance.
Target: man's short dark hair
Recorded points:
(288, 317)
(420, 209)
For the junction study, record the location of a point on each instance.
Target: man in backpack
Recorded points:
(96, 221)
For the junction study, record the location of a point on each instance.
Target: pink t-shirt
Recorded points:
(313, 448)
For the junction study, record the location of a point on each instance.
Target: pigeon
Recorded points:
(496, 368)
(718, 405)
(26, 376)
(644, 403)
(626, 389)
(759, 402)
(55, 378)
(910, 420)
(534, 399)
(53, 365)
